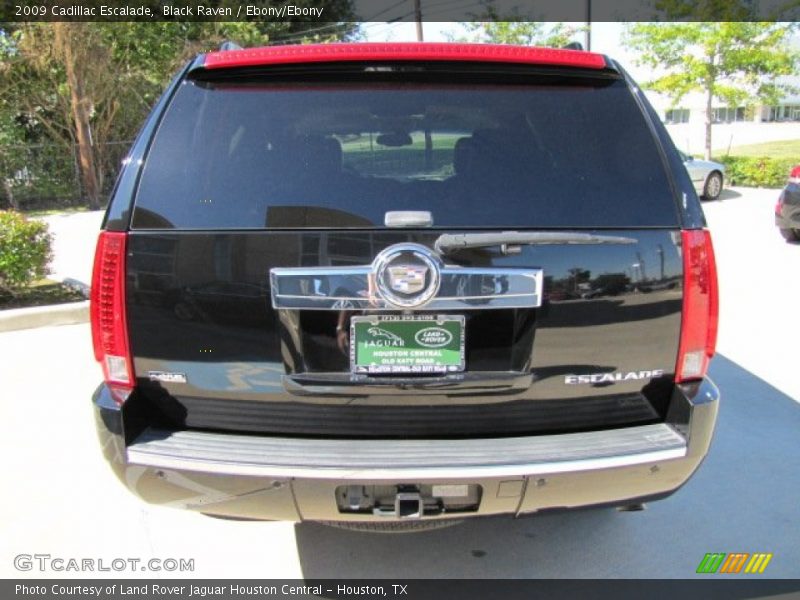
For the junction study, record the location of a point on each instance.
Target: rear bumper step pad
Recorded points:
(405, 459)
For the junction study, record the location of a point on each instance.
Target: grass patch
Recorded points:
(41, 293)
(789, 149)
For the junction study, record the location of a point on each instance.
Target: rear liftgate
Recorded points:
(402, 326)
(405, 329)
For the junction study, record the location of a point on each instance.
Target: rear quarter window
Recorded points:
(250, 154)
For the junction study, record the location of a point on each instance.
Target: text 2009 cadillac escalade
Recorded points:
(374, 284)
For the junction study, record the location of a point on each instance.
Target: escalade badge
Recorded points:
(407, 275)
(601, 378)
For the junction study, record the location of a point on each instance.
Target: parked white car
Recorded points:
(707, 176)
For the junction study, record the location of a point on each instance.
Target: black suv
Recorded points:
(378, 283)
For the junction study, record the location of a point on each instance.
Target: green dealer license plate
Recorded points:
(407, 344)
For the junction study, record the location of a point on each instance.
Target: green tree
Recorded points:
(11, 136)
(25, 251)
(84, 85)
(512, 29)
(733, 62)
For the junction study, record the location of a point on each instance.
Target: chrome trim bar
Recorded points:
(411, 460)
(351, 288)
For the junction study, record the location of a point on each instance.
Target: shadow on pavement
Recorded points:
(744, 498)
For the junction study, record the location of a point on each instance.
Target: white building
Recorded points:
(732, 126)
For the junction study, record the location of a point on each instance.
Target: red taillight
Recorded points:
(700, 306)
(794, 175)
(107, 311)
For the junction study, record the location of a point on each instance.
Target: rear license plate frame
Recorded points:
(438, 351)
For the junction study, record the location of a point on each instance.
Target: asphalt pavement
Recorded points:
(61, 499)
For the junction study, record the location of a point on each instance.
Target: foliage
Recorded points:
(89, 85)
(752, 171)
(10, 161)
(513, 29)
(736, 62)
(37, 175)
(25, 250)
(719, 10)
(733, 62)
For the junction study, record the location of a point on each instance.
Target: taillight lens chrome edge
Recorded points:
(700, 306)
(107, 314)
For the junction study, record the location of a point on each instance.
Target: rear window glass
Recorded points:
(255, 155)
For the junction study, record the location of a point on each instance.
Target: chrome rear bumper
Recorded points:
(297, 478)
(371, 460)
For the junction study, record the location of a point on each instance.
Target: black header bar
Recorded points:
(323, 11)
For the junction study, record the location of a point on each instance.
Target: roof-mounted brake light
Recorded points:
(424, 51)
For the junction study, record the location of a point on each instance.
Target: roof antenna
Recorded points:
(573, 46)
(229, 45)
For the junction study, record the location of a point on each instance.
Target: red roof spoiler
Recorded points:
(412, 51)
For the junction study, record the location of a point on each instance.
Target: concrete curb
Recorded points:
(44, 316)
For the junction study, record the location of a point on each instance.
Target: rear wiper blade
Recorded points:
(510, 242)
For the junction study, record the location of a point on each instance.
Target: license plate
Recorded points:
(407, 344)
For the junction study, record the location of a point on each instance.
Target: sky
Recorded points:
(605, 38)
